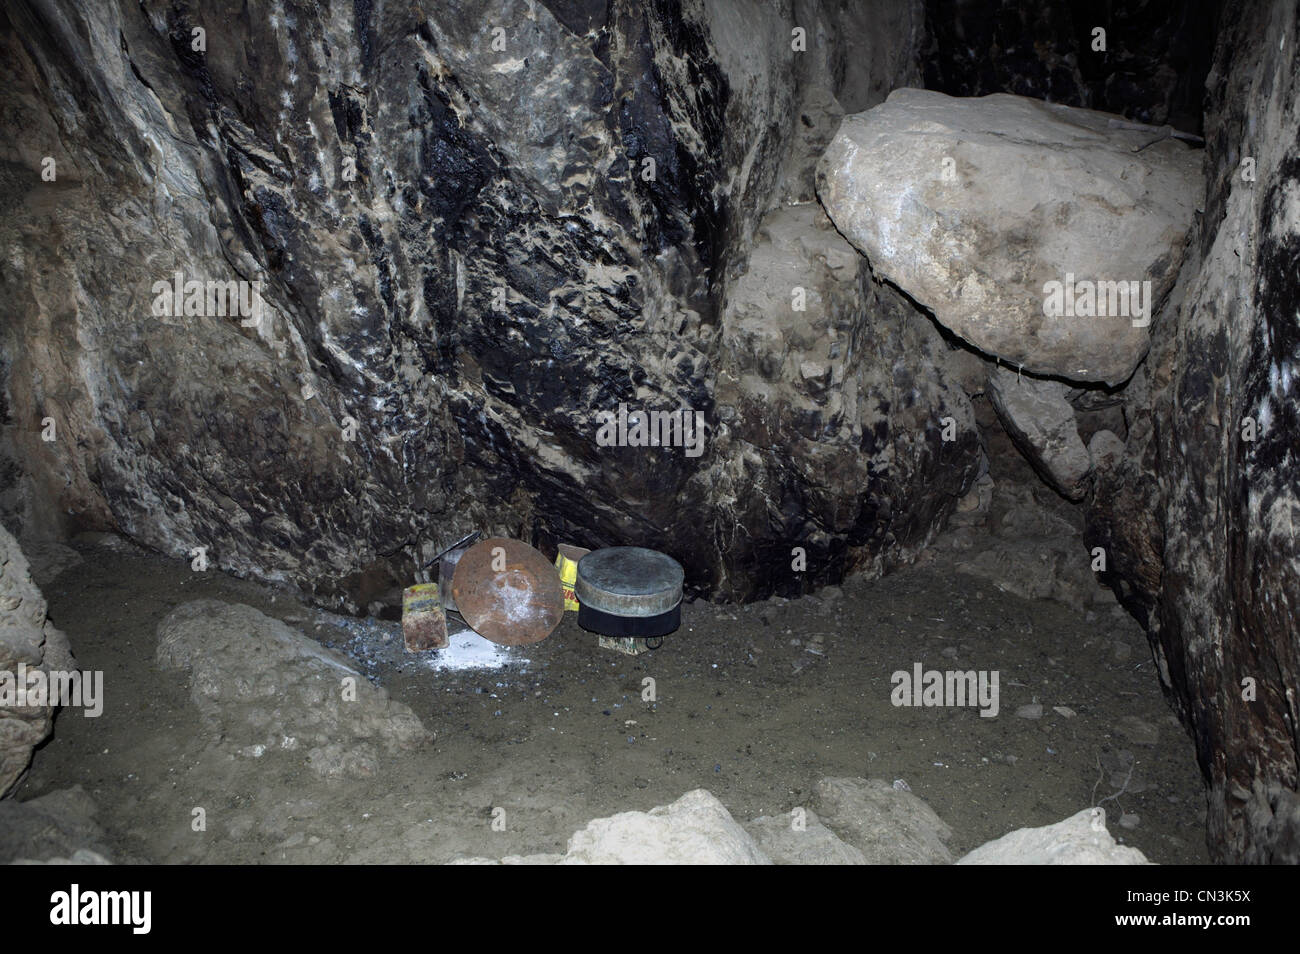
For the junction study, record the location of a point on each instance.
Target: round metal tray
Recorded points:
(514, 602)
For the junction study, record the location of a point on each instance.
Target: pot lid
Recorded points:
(629, 581)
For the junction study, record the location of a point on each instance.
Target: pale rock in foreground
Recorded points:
(1081, 839)
(889, 826)
(58, 827)
(265, 688)
(812, 844)
(542, 859)
(27, 639)
(82, 856)
(694, 830)
(861, 822)
(973, 205)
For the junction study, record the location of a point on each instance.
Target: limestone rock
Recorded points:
(817, 351)
(1081, 839)
(56, 828)
(82, 856)
(888, 825)
(695, 829)
(29, 639)
(972, 206)
(1041, 423)
(813, 844)
(542, 859)
(1105, 449)
(1032, 551)
(876, 824)
(1035, 569)
(264, 688)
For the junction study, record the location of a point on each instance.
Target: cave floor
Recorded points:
(755, 703)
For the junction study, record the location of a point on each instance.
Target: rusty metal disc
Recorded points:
(508, 592)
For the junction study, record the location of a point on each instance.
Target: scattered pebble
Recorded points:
(1064, 711)
(1129, 820)
(1138, 731)
(1033, 710)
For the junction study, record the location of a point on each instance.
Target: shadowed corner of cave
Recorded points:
(947, 346)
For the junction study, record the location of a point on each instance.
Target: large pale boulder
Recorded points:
(695, 829)
(802, 840)
(888, 824)
(263, 688)
(28, 640)
(1081, 839)
(973, 206)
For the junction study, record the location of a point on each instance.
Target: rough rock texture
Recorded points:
(1199, 522)
(1105, 450)
(465, 255)
(695, 829)
(1041, 422)
(1152, 70)
(698, 829)
(82, 856)
(263, 688)
(1027, 548)
(56, 828)
(890, 826)
(972, 206)
(1081, 839)
(813, 844)
(27, 638)
(846, 390)
(543, 859)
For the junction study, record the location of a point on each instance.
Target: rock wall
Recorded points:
(472, 228)
(1199, 517)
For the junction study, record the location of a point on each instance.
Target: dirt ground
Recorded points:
(754, 703)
